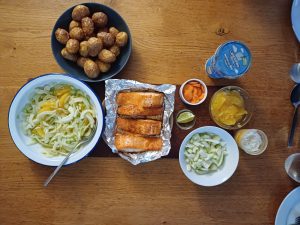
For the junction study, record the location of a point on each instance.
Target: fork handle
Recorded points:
(58, 168)
(292, 131)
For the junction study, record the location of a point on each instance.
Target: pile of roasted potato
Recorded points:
(90, 42)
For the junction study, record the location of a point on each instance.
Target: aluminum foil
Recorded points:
(112, 87)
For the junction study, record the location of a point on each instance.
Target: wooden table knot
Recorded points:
(222, 31)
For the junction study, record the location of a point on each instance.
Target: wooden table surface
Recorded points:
(171, 41)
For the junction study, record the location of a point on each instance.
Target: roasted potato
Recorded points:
(89, 36)
(107, 56)
(104, 67)
(115, 49)
(77, 33)
(101, 35)
(79, 12)
(87, 25)
(107, 39)
(91, 69)
(95, 46)
(114, 31)
(84, 48)
(62, 36)
(100, 19)
(73, 24)
(121, 39)
(81, 61)
(72, 46)
(68, 56)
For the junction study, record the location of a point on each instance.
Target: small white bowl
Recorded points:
(225, 171)
(181, 92)
(35, 152)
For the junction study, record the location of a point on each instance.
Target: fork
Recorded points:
(84, 140)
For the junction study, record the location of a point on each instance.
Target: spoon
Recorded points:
(295, 99)
(292, 167)
(84, 140)
(295, 72)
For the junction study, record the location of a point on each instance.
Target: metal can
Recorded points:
(231, 60)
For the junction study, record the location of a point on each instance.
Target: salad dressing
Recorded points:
(252, 141)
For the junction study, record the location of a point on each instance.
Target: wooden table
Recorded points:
(171, 41)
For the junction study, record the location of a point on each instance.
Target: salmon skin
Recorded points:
(136, 144)
(139, 126)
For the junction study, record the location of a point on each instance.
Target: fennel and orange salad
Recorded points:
(58, 116)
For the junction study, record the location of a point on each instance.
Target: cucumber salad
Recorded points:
(58, 116)
(205, 153)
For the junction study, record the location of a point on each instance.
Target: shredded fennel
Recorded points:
(58, 116)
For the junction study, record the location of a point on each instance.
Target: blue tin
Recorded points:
(231, 60)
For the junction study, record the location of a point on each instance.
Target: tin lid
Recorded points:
(233, 59)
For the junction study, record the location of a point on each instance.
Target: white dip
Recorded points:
(251, 141)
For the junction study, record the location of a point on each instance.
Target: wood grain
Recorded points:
(171, 42)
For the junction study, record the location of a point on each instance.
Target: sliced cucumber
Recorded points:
(205, 153)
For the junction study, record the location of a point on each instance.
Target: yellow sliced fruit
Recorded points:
(241, 112)
(236, 99)
(231, 110)
(228, 120)
(218, 102)
(39, 131)
(47, 106)
(228, 107)
(63, 99)
(63, 90)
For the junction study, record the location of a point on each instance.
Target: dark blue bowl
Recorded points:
(114, 19)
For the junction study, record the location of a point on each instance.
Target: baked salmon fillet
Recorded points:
(136, 111)
(142, 99)
(136, 144)
(139, 126)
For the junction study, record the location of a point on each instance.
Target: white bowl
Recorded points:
(35, 152)
(225, 171)
(181, 92)
(289, 208)
(295, 16)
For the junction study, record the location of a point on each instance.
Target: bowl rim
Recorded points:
(287, 204)
(182, 96)
(69, 162)
(203, 130)
(86, 79)
(250, 112)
